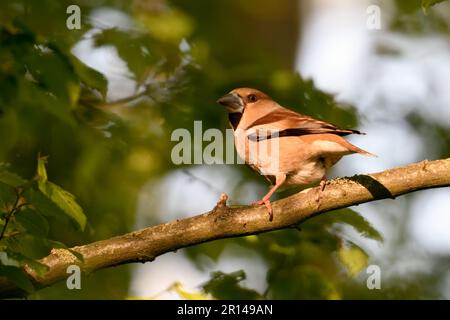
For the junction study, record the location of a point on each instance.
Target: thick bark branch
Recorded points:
(224, 222)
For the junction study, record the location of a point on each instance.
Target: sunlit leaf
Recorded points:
(426, 4)
(41, 170)
(171, 25)
(74, 91)
(353, 258)
(178, 287)
(62, 198)
(283, 250)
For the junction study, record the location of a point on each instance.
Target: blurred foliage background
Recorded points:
(106, 131)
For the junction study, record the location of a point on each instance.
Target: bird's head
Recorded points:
(239, 99)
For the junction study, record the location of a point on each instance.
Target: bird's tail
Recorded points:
(357, 132)
(361, 151)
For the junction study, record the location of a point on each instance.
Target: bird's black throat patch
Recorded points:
(234, 118)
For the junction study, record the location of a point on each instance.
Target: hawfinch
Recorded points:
(288, 148)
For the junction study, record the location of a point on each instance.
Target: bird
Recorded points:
(288, 148)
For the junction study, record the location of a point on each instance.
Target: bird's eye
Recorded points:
(252, 98)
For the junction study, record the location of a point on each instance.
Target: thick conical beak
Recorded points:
(232, 102)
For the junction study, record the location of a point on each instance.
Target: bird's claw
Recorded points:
(268, 206)
(257, 203)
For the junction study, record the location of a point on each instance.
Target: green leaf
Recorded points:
(212, 250)
(302, 281)
(226, 286)
(35, 98)
(5, 259)
(33, 222)
(353, 218)
(169, 25)
(60, 245)
(24, 250)
(89, 76)
(52, 71)
(41, 170)
(17, 259)
(7, 194)
(45, 206)
(78, 255)
(65, 201)
(9, 178)
(426, 4)
(178, 287)
(62, 198)
(142, 53)
(54, 244)
(28, 246)
(18, 276)
(42, 204)
(129, 51)
(353, 258)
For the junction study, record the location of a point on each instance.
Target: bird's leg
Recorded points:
(322, 184)
(280, 178)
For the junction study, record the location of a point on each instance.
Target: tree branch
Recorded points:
(224, 222)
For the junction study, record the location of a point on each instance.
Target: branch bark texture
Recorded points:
(224, 222)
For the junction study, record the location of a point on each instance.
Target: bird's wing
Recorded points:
(284, 122)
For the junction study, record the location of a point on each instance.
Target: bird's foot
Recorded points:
(268, 205)
(257, 203)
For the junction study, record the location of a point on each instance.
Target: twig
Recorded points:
(13, 210)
